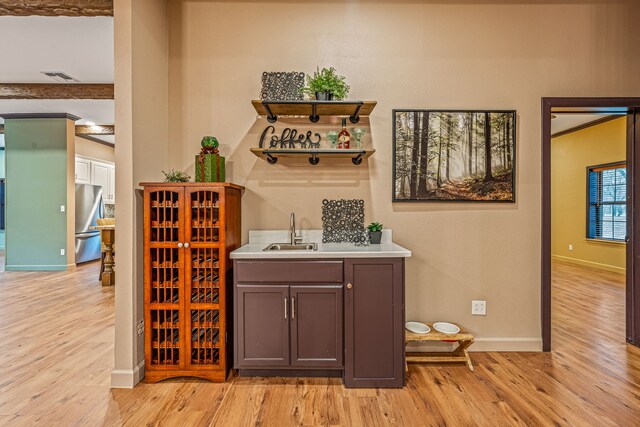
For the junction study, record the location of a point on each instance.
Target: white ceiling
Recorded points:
(564, 122)
(79, 46)
(106, 138)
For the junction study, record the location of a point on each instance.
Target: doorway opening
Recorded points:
(588, 228)
(607, 211)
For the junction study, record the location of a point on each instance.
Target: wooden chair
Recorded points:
(104, 221)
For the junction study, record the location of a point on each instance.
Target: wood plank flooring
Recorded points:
(56, 335)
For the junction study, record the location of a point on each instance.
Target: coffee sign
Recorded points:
(290, 139)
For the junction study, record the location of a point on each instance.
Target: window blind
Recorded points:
(607, 204)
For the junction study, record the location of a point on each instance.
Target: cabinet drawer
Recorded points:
(289, 271)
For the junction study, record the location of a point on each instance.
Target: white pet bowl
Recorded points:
(446, 328)
(417, 327)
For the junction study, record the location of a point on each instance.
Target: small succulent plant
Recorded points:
(175, 176)
(374, 226)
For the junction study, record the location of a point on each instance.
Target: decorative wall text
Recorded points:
(289, 138)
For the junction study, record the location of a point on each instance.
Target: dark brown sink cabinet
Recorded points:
(374, 322)
(263, 329)
(288, 315)
(316, 326)
(321, 318)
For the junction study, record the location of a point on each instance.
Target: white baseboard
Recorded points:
(125, 378)
(591, 264)
(483, 344)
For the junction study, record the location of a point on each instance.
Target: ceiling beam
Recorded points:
(95, 130)
(56, 8)
(55, 91)
(86, 130)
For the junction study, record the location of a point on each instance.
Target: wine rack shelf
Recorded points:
(189, 231)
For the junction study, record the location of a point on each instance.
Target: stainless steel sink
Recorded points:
(290, 247)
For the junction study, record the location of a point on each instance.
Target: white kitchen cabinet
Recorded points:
(83, 171)
(112, 185)
(95, 172)
(100, 176)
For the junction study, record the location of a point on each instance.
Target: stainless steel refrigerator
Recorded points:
(89, 207)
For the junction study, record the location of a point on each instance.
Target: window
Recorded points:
(607, 204)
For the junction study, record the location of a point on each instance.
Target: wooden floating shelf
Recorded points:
(314, 109)
(271, 155)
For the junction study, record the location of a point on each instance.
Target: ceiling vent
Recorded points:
(60, 76)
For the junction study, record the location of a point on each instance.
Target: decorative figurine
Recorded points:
(209, 163)
(209, 142)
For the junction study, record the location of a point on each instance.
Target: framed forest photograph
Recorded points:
(447, 155)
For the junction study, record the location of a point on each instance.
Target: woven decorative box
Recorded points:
(213, 168)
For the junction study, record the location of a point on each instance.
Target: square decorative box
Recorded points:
(213, 168)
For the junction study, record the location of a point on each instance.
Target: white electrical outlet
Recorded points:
(479, 308)
(62, 252)
(570, 247)
(62, 208)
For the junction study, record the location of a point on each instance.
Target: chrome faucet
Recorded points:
(293, 236)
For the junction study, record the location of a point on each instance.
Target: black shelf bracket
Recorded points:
(314, 117)
(271, 160)
(358, 159)
(355, 118)
(314, 159)
(271, 118)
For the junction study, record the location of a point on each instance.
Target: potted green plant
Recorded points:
(175, 176)
(326, 85)
(375, 233)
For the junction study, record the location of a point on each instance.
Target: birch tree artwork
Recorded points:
(454, 155)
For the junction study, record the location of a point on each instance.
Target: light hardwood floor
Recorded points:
(56, 345)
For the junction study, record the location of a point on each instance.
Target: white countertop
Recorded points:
(260, 239)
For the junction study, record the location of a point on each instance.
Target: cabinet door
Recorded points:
(374, 323)
(100, 176)
(263, 326)
(112, 185)
(204, 216)
(164, 216)
(316, 326)
(83, 171)
(164, 280)
(204, 307)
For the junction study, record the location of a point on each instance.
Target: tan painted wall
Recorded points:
(95, 150)
(141, 88)
(570, 156)
(420, 54)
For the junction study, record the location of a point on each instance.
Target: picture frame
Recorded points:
(441, 156)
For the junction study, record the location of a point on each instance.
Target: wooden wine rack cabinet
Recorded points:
(189, 231)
